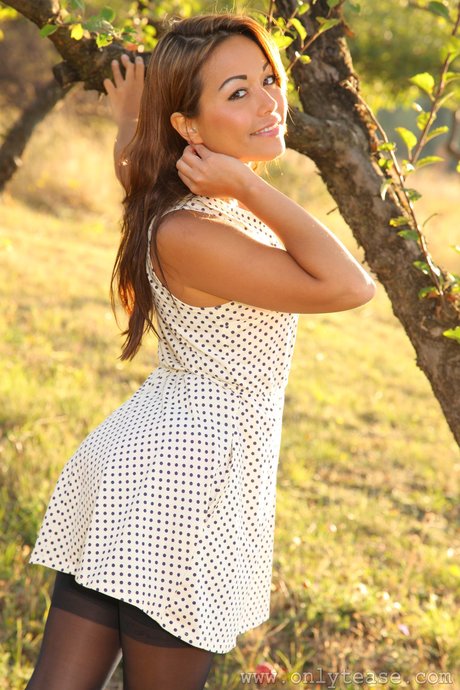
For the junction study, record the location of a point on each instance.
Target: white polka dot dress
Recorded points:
(169, 504)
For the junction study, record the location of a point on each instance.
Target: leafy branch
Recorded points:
(136, 32)
(286, 31)
(445, 286)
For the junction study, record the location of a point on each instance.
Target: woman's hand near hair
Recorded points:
(212, 174)
(125, 95)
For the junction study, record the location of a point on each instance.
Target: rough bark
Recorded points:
(327, 90)
(19, 134)
(335, 133)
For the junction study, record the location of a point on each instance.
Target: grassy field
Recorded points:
(366, 571)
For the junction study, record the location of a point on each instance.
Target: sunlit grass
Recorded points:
(366, 573)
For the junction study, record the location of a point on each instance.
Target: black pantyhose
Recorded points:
(87, 633)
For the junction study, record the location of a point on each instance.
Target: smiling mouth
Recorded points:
(270, 128)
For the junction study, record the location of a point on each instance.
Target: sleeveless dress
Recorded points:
(169, 504)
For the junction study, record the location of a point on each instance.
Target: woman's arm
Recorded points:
(314, 247)
(125, 97)
(126, 130)
(331, 279)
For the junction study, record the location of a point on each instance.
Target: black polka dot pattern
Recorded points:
(169, 504)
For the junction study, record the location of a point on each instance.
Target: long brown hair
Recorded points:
(172, 84)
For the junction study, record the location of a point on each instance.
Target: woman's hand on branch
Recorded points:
(126, 93)
(212, 174)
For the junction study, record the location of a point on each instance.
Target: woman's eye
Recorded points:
(234, 95)
(272, 76)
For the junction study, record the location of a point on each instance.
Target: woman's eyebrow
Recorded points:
(240, 76)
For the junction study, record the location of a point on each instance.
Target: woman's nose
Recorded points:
(267, 103)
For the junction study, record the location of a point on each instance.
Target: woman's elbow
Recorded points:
(362, 293)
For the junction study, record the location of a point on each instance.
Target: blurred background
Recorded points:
(366, 575)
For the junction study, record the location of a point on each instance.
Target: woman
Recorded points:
(161, 524)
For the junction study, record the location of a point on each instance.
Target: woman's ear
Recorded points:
(185, 128)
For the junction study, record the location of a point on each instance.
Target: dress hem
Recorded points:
(166, 625)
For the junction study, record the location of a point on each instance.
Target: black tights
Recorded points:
(87, 633)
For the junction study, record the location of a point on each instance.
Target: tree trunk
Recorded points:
(19, 134)
(336, 134)
(327, 89)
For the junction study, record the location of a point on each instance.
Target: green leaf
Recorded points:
(409, 235)
(76, 32)
(386, 146)
(397, 222)
(385, 164)
(108, 13)
(412, 194)
(422, 266)
(261, 18)
(453, 333)
(7, 13)
(306, 59)
(301, 30)
(408, 137)
(47, 30)
(407, 167)
(437, 132)
(422, 120)
(304, 7)
(326, 24)
(103, 40)
(425, 81)
(355, 7)
(428, 160)
(149, 30)
(452, 76)
(281, 40)
(453, 46)
(430, 291)
(439, 8)
(332, 3)
(445, 98)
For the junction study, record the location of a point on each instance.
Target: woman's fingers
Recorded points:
(129, 70)
(188, 182)
(183, 167)
(109, 87)
(129, 67)
(190, 155)
(118, 79)
(202, 151)
(139, 68)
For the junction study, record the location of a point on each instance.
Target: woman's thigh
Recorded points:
(81, 644)
(154, 659)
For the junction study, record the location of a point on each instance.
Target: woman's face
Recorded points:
(240, 97)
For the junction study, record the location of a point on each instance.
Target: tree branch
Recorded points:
(19, 134)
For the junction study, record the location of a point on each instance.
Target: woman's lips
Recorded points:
(272, 132)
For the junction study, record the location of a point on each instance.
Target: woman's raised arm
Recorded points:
(124, 97)
(316, 272)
